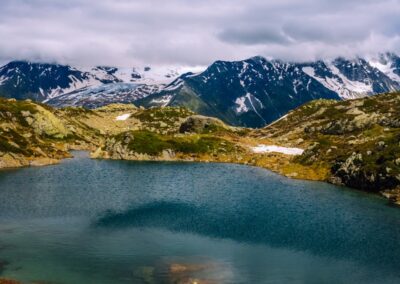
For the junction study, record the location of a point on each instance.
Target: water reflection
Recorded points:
(118, 222)
(338, 236)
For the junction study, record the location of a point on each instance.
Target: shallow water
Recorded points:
(93, 221)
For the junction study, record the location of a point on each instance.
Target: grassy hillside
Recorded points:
(357, 141)
(34, 134)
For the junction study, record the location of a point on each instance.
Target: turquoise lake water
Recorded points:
(94, 221)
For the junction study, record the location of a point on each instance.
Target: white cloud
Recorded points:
(185, 32)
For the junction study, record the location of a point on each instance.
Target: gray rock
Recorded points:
(200, 124)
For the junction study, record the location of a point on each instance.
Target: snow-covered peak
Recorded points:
(44, 82)
(386, 63)
(333, 79)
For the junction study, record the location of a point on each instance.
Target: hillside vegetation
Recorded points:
(357, 141)
(354, 143)
(35, 134)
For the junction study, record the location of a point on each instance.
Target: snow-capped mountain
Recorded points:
(252, 92)
(257, 91)
(389, 64)
(21, 80)
(63, 85)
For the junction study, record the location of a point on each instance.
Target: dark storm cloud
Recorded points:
(184, 32)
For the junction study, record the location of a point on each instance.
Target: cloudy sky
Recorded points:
(191, 32)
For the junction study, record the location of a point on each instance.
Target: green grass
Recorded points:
(77, 112)
(146, 142)
(201, 145)
(163, 114)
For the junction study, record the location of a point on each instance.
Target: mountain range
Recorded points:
(65, 85)
(251, 92)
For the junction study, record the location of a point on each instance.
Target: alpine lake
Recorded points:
(103, 221)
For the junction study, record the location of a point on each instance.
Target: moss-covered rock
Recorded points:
(146, 145)
(202, 124)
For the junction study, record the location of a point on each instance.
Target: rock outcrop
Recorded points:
(358, 141)
(201, 124)
(33, 135)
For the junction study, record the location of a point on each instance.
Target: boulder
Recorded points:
(201, 124)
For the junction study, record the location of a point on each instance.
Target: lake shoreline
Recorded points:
(387, 196)
(89, 155)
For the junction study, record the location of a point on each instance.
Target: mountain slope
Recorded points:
(24, 80)
(63, 85)
(97, 96)
(35, 134)
(257, 91)
(357, 141)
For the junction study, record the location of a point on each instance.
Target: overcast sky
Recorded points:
(190, 32)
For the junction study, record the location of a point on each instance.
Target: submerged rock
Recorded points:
(146, 274)
(189, 273)
(393, 195)
(3, 265)
(9, 281)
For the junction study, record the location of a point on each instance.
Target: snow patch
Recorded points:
(160, 75)
(174, 86)
(309, 71)
(340, 84)
(123, 117)
(386, 68)
(244, 69)
(164, 100)
(74, 85)
(42, 92)
(279, 119)
(3, 79)
(353, 86)
(246, 103)
(277, 149)
(241, 105)
(104, 94)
